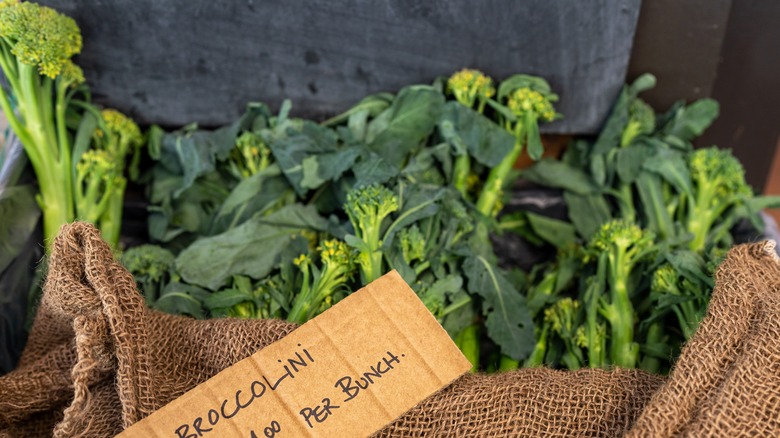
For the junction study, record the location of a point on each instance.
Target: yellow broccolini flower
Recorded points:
(469, 85)
(525, 99)
(561, 315)
(120, 123)
(250, 156)
(335, 252)
(302, 260)
(72, 73)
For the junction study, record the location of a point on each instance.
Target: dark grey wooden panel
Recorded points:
(177, 61)
(679, 41)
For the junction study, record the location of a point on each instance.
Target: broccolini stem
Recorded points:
(626, 204)
(491, 193)
(596, 341)
(66, 163)
(536, 359)
(700, 220)
(461, 173)
(655, 335)
(111, 219)
(468, 342)
(623, 349)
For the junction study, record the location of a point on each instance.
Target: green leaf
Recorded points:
(514, 82)
(557, 232)
(630, 160)
(691, 121)
(358, 123)
(598, 169)
(656, 215)
(435, 296)
(758, 203)
(19, 213)
(319, 169)
(251, 249)
(254, 195)
(193, 153)
(508, 322)
(467, 130)
(413, 116)
(609, 137)
(587, 212)
(557, 174)
(226, 298)
(291, 151)
(642, 83)
(180, 298)
(83, 139)
(423, 163)
(503, 110)
(372, 168)
(690, 265)
(455, 321)
(418, 203)
(371, 105)
(670, 165)
(533, 138)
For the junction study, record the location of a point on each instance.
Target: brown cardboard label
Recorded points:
(348, 372)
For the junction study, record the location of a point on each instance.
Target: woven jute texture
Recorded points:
(98, 361)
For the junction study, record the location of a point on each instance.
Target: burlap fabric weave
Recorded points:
(98, 361)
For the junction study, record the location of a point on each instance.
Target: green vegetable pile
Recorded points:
(276, 217)
(280, 217)
(649, 219)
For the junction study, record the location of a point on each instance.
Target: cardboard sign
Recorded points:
(348, 372)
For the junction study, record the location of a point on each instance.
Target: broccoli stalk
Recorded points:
(319, 285)
(530, 102)
(719, 181)
(469, 87)
(36, 47)
(367, 208)
(620, 246)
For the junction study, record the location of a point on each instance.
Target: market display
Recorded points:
(648, 312)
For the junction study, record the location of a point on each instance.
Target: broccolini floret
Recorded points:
(619, 246)
(530, 101)
(526, 100)
(469, 86)
(691, 302)
(412, 244)
(152, 268)
(719, 182)
(321, 284)
(563, 320)
(98, 179)
(367, 207)
(250, 156)
(641, 121)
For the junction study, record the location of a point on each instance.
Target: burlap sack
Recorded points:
(98, 361)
